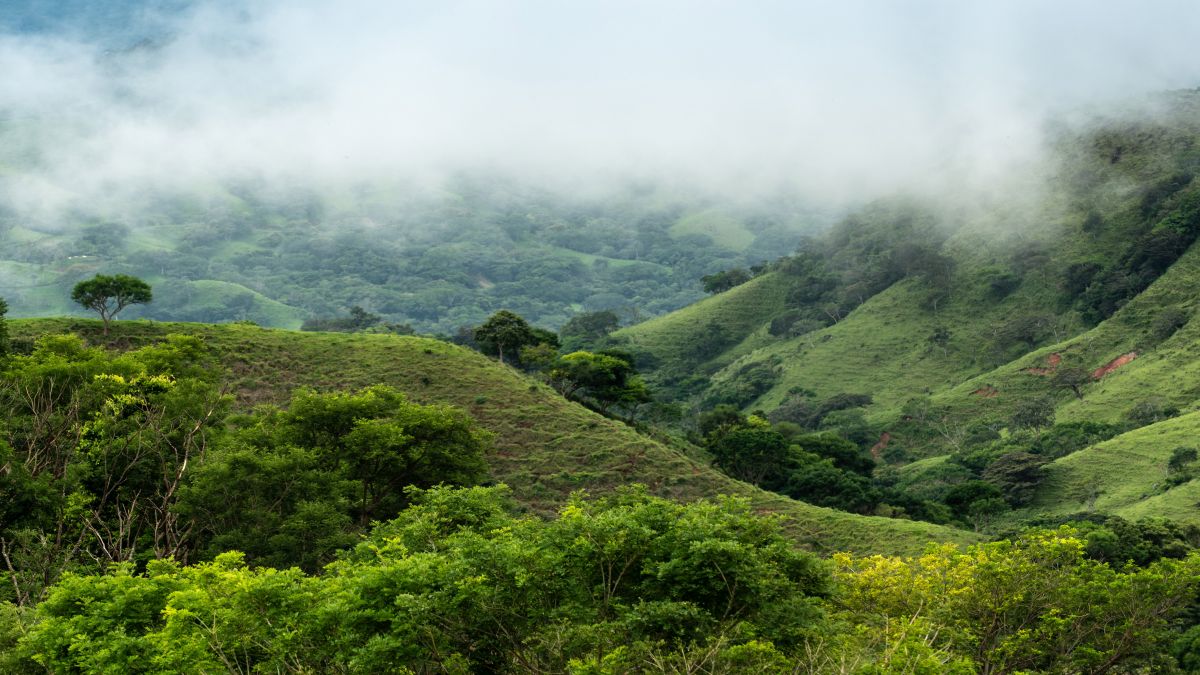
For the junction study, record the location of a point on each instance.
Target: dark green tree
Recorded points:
(590, 326)
(725, 280)
(1073, 378)
(1016, 475)
(108, 295)
(758, 455)
(504, 332)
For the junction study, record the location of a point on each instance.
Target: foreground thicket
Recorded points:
(110, 458)
(625, 583)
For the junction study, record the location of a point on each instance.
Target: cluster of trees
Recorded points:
(988, 473)
(624, 583)
(605, 380)
(124, 458)
(817, 467)
(1169, 224)
(358, 321)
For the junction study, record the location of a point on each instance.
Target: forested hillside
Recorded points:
(1033, 357)
(433, 260)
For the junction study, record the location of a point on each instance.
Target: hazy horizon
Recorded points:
(834, 101)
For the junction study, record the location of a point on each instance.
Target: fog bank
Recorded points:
(836, 101)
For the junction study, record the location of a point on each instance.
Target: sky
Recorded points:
(836, 101)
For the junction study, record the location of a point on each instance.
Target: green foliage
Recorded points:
(1071, 614)
(457, 582)
(4, 339)
(605, 380)
(97, 447)
(108, 295)
(820, 469)
(1118, 541)
(725, 280)
(744, 385)
(541, 440)
(628, 582)
(1149, 255)
(798, 409)
(1150, 411)
(758, 455)
(505, 331)
(293, 486)
(1017, 475)
(1164, 325)
(358, 320)
(1033, 413)
(587, 329)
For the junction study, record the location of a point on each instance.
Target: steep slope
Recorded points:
(1125, 476)
(710, 329)
(925, 297)
(1077, 297)
(545, 446)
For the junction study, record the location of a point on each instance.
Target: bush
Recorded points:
(1151, 411)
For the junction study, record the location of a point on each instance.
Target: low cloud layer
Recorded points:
(837, 100)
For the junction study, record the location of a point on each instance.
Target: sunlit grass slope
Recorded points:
(739, 312)
(545, 446)
(1125, 476)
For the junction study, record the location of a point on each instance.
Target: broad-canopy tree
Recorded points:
(295, 485)
(505, 331)
(108, 295)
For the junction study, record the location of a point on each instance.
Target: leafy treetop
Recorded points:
(108, 295)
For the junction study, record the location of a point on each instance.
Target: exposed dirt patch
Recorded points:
(1113, 365)
(878, 448)
(1052, 362)
(986, 391)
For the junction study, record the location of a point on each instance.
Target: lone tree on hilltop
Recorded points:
(108, 295)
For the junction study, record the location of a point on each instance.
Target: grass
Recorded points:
(545, 447)
(739, 312)
(722, 228)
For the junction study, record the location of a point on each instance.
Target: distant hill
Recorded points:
(433, 259)
(966, 313)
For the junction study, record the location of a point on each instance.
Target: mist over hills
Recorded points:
(851, 337)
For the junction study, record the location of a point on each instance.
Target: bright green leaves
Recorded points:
(458, 583)
(604, 379)
(1035, 604)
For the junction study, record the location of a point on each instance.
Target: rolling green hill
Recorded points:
(954, 318)
(434, 258)
(546, 447)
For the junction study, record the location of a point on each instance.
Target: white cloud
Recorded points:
(836, 99)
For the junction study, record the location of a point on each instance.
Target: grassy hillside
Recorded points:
(952, 319)
(545, 446)
(1125, 476)
(711, 331)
